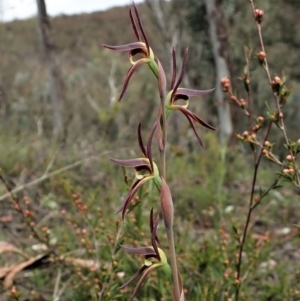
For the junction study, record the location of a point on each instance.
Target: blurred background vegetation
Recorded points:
(210, 189)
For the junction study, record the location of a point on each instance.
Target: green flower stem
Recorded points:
(168, 271)
(157, 183)
(153, 66)
(170, 233)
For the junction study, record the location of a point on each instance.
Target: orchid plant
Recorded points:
(145, 168)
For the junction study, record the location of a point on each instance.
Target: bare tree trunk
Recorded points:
(56, 84)
(219, 41)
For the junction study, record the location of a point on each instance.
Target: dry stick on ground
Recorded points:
(48, 175)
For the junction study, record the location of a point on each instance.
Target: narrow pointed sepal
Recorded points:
(136, 275)
(142, 279)
(140, 140)
(192, 92)
(187, 112)
(183, 68)
(129, 75)
(138, 162)
(135, 187)
(139, 22)
(125, 47)
(149, 145)
(140, 251)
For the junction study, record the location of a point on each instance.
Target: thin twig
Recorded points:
(110, 269)
(56, 287)
(47, 176)
(50, 165)
(266, 67)
(249, 214)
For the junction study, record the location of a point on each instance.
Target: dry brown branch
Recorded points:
(46, 176)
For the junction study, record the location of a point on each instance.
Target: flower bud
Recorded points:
(260, 119)
(255, 128)
(166, 204)
(276, 80)
(225, 82)
(258, 14)
(242, 103)
(276, 83)
(268, 145)
(246, 134)
(261, 57)
(289, 158)
(265, 152)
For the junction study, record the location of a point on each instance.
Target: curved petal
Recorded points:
(141, 27)
(134, 27)
(129, 75)
(187, 112)
(173, 68)
(132, 278)
(151, 224)
(191, 121)
(126, 47)
(138, 162)
(136, 183)
(142, 279)
(192, 92)
(135, 187)
(140, 139)
(149, 145)
(153, 238)
(139, 251)
(181, 73)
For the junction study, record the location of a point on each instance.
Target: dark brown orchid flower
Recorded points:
(141, 47)
(154, 257)
(145, 169)
(177, 93)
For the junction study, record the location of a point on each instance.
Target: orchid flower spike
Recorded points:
(141, 47)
